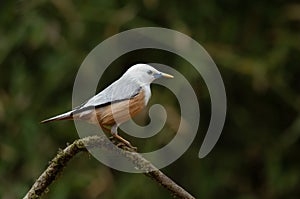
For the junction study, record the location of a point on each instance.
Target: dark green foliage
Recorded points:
(256, 46)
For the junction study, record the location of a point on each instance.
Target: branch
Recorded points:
(57, 165)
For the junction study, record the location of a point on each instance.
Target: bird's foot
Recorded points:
(130, 148)
(122, 142)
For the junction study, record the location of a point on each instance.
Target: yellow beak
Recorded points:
(167, 75)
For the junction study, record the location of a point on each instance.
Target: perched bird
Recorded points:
(120, 101)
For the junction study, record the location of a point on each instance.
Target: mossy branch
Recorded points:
(57, 165)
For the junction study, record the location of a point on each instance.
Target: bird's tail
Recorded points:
(64, 116)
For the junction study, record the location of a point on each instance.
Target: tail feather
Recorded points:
(64, 116)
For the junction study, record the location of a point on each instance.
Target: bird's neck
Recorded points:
(147, 90)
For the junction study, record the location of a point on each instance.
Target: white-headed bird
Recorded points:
(117, 103)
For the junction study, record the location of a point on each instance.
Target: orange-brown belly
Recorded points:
(118, 112)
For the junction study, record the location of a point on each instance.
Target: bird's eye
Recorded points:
(150, 72)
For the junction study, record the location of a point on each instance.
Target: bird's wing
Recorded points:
(120, 90)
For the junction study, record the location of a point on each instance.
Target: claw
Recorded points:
(122, 140)
(114, 133)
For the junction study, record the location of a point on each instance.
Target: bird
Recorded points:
(118, 102)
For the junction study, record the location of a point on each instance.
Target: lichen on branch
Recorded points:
(60, 161)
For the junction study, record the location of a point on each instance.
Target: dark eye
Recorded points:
(150, 72)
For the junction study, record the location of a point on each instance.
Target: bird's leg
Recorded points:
(114, 133)
(107, 129)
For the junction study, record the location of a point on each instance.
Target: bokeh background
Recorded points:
(256, 46)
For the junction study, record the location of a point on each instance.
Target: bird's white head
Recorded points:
(144, 73)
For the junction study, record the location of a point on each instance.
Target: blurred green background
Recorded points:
(256, 46)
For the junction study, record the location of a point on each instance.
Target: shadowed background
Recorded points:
(255, 45)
